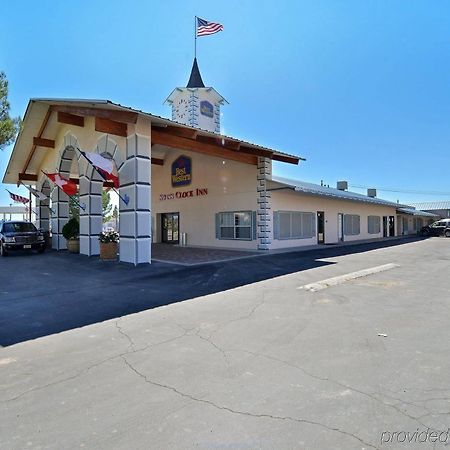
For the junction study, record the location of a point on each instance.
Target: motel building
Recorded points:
(184, 181)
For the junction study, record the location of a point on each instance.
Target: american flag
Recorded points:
(204, 28)
(18, 198)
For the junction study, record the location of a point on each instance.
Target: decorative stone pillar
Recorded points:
(263, 220)
(43, 208)
(135, 185)
(91, 219)
(60, 216)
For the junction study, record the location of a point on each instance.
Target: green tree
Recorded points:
(74, 209)
(8, 126)
(106, 206)
(115, 216)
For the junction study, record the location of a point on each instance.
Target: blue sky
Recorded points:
(359, 87)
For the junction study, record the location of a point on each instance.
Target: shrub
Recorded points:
(71, 230)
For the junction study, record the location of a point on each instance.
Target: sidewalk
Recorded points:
(195, 256)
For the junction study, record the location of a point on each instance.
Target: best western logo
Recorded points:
(181, 171)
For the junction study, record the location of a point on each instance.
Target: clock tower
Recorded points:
(196, 105)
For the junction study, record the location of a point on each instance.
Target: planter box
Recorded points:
(108, 251)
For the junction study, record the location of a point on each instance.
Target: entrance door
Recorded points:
(320, 227)
(391, 226)
(170, 228)
(341, 227)
(385, 226)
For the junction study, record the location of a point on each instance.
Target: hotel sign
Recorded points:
(181, 171)
(206, 109)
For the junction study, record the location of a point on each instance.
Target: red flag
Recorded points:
(68, 186)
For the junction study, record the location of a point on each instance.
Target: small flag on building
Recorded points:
(39, 195)
(204, 28)
(18, 198)
(103, 166)
(67, 186)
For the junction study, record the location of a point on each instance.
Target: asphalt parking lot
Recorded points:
(237, 355)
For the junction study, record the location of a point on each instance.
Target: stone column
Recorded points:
(263, 220)
(43, 208)
(60, 216)
(91, 219)
(135, 218)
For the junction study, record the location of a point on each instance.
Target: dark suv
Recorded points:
(439, 228)
(18, 235)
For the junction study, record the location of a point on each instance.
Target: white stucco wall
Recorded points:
(231, 187)
(291, 201)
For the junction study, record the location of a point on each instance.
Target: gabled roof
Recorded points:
(433, 206)
(324, 191)
(195, 80)
(415, 212)
(38, 118)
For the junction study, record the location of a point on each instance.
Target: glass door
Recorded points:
(341, 227)
(320, 227)
(170, 228)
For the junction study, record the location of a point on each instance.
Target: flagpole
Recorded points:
(125, 199)
(29, 197)
(195, 37)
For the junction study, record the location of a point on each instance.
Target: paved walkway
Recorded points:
(190, 256)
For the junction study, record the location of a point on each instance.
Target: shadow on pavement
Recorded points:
(54, 292)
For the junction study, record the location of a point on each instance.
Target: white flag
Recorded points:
(36, 193)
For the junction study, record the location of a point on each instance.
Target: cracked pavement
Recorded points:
(259, 366)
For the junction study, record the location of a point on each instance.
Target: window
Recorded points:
(374, 224)
(351, 224)
(294, 225)
(18, 227)
(234, 225)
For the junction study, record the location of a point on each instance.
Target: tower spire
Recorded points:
(195, 80)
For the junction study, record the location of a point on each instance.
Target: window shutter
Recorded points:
(276, 225)
(217, 226)
(253, 225)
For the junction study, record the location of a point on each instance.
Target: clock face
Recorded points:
(181, 109)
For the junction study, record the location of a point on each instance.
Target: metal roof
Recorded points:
(416, 212)
(433, 206)
(324, 191)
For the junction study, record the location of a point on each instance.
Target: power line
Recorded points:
(403, 191)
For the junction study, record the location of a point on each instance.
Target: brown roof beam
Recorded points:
(178, 131)
(41, 142)
(27, 177)
(70, 119)
(33, 147)
(183, 143)
(157, 161)
(286, 158)
(111, 126)
(232, 145)
(112, 114)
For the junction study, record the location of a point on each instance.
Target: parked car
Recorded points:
(20, 235)
(439, 228)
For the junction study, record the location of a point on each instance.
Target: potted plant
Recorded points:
(109, 241)
(71, 231)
